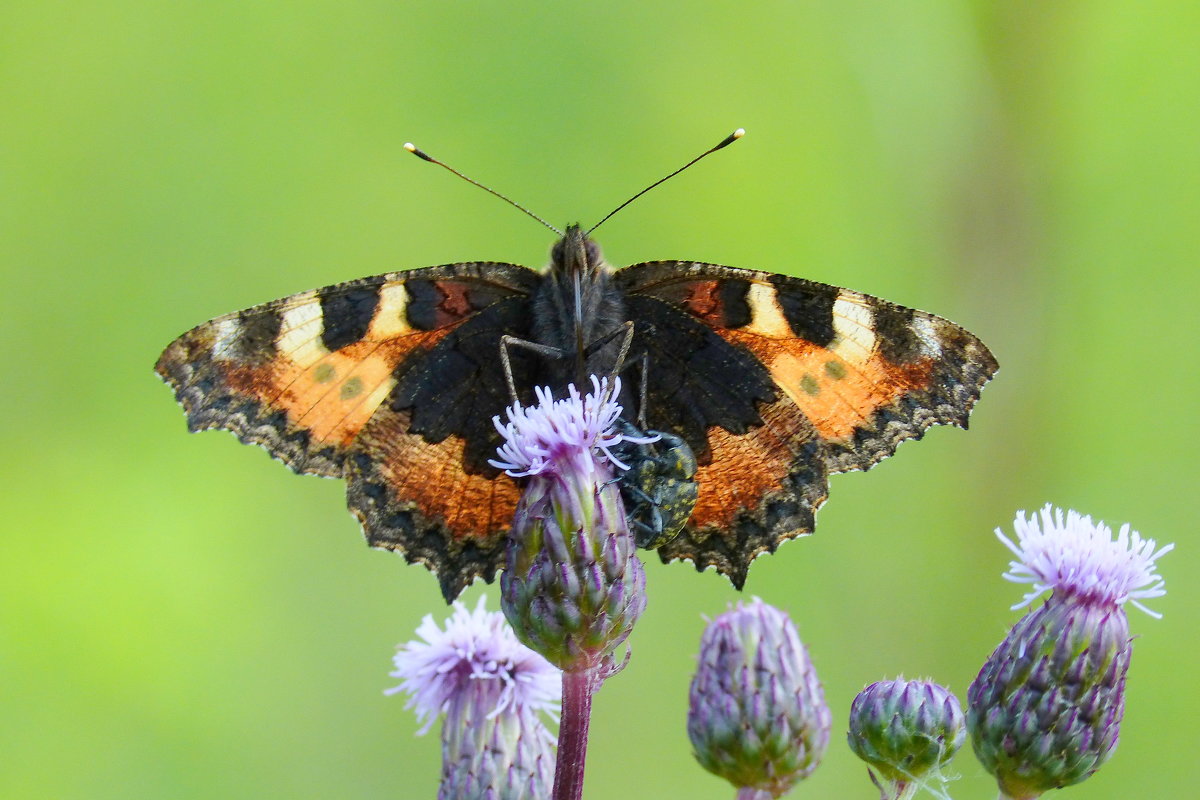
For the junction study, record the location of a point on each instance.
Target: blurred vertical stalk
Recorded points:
(578, 688)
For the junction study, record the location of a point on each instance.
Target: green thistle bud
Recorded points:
(757, 715)
(1045, 710)
(906, 731)
(572, 586)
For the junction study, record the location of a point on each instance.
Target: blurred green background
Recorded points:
(182, 617)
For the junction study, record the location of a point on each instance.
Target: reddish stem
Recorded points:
(577, 689)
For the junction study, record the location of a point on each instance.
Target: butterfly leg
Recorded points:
(641, 364)
(507, 341)
(644, 364)
(625, 329)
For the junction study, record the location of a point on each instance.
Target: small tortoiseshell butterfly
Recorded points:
(391, 383)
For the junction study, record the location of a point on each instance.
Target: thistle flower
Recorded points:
(491, 689)
(1045, 710)
(906, 731)
(757, 715)
(572, 585)
(1074, 556)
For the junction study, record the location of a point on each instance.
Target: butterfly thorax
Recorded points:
(575, 307)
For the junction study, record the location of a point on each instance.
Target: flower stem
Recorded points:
(750, 793)
(577, 689)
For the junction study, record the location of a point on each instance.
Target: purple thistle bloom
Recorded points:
(491, 689)
(1046, 708)
(561, 436)
(572, 585)
(1075, 556)
(757, 715)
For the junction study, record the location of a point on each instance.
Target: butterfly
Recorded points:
(391, 383)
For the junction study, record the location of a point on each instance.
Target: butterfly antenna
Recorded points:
(728, 140)
(421, 154)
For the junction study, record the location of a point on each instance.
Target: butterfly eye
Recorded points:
(593, 253)
(559, 251)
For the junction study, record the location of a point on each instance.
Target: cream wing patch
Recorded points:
(225, 333)
(926, 332)
(854, 334)
(766, 317)
(390, 319)
(300, 328)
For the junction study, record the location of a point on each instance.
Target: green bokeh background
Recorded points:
(182, 617)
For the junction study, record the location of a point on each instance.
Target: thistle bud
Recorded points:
(492, 692)
(572, 585)
(906, 731)
(757, 715)
(1045, 710)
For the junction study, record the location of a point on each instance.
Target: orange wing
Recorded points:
(814, 379)
(330, 381)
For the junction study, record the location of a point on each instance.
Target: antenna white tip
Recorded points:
(410, 147)
(739, 133)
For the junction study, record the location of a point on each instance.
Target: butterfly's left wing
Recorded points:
(389, 382)
(776, 382)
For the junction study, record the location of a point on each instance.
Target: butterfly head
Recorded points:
(577, 310)
(575, 254)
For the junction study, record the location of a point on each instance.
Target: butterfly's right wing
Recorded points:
(777, 381)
